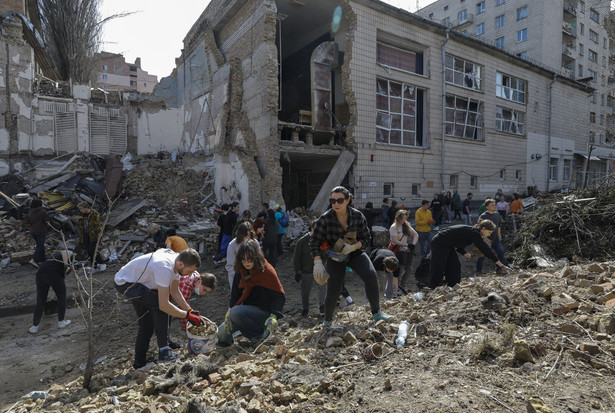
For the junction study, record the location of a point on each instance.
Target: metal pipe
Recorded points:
(549, 129)
(442, 163)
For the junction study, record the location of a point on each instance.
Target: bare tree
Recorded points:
(72, 31)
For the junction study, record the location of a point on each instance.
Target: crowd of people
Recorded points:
(160, 284)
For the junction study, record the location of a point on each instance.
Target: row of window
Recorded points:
(132, 82)
(594, 36)
(500, 41)
(554, 169)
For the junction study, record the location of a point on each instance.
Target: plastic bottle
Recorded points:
(418, 296)
(402, 333)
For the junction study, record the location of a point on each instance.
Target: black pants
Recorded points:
(149, 317)
(270, 251)
(280, 247)
(45, 280)
(362, 265)
(444, 264)
(457, 213)
(90, 247)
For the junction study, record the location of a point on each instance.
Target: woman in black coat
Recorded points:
(453, 239)
(270, 239)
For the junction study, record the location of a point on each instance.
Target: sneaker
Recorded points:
(33, 329)
(63, 323)
(174, 345)
(350, 305)
(145, 366)
(167, 354)
(222, 260)
(381, 316)
(33, 263)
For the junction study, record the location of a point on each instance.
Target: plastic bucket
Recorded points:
(202, 344)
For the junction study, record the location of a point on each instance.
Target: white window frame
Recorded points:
(582, 6)
(462, 16)
(593, 75)
(499, 2)
(416, 189)
(518, 175)
(473, 181)
(499, 42)
(387, 189)
(593, 36)
(480, 29)
(567, 170)
(522, 35)
(464, 119)
(480, 7)
(453, 181)
(387, 117)
(592, 56)
(581, 49)
(509, 121)
(500, 21)
(553, 164)
(461, 72)
(446, 21)
(594, 15)
(521, 13)
(502, 174)
(510, 88)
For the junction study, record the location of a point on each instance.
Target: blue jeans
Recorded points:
(498, 247)
(226, 239)
(39, 251)
(249, 319)
(424, 237)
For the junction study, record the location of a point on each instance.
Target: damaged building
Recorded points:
(290, 98)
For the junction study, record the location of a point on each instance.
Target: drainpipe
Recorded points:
(549, 128)
(442, 163)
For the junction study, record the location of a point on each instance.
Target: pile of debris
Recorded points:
(477, 341)
(576, 227)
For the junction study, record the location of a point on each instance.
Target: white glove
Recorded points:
(320, 274)
(348, 248)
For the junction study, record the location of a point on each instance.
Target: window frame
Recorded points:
(592, 56)
(594, 36)
(594, 15)
(480, 7)
(522, 34)
(455, 113)
(499, 42)
(482, 27)
(384, 44)
(522, 9)
(500, 21)
(463, 12)
(452, 64)
(513, 120)
(499, 2)
(567, 170)
(553, 169)
(391, 188)
(473, 181)
(453, 181)
(506, 84)
(382, 115)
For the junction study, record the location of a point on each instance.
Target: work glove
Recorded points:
(271, 324)
(298, 277)
(228, 324)
(320, 274)
(411, 248)
(194, 312)
(194, 318)
(348, 248)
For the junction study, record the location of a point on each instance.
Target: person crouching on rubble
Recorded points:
(51, 273)
(345, 229)
(257, 297)
(149, 281)
(453, 239)
(90, 229)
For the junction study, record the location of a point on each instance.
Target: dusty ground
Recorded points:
(439, 369)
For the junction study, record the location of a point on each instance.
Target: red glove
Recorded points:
(194, 318)
(194, 312)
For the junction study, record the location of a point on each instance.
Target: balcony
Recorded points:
(570, 8)
(568, 72)
(569, 30)
(566, 50)
(469, 18)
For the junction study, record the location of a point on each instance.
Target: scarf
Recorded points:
(266, 278)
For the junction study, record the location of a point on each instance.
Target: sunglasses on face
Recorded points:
(338, 200)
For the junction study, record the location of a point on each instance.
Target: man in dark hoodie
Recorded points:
(37, 219)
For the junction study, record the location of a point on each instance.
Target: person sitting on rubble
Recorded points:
(452, 240)
(175, 242)
(37, 219)
(149, 282)
(387, 265)
(90, 228)
(345, 228)
(257, 297)
(244, 232)
(51, 273)
(245, 217)
(200, 284)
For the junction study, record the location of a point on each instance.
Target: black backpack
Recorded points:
(422, 272)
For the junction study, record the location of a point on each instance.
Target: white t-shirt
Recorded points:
(153, 270)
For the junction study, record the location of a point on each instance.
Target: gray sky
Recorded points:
(156, 31)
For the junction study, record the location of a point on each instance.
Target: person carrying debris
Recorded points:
(90, 229)
(200, 284)
(37, 219)
(303, 264)
(149, 282)
(387, 265)
(345, 228)
(257, 297)
(51, 273)
(496, 237)
(174, 242)
(453, 239)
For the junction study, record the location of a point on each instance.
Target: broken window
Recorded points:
(399, 119)
(509, 121)
(511, 88)
(463, 73)
(397, 58)
(464, 117)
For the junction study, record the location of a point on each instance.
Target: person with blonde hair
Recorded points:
(403, 240)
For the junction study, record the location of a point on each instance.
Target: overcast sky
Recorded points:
(156, 31)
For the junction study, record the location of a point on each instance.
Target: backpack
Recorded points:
(283, 220)
(422, 272)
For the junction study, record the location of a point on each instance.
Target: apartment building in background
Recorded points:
(566, 36)
(116, 74)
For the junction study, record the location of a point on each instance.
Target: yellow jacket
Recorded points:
(421, 219)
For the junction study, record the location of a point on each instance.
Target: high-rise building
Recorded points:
(116, 74)
(566, 36)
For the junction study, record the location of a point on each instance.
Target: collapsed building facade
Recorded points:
(290, 98)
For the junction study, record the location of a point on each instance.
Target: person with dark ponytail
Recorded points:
(452, 240)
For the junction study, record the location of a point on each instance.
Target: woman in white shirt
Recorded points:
(404, 237)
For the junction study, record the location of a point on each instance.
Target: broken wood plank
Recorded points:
(50, 184)
(9, 199)
(121, 251)
(125, 210)
(337, 174)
